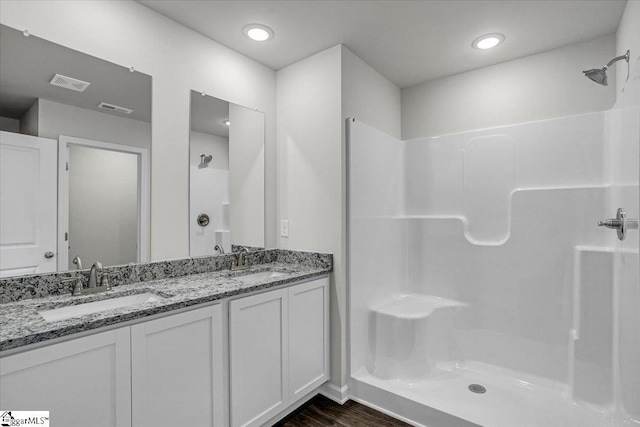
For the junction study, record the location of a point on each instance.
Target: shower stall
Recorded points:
(481, 289)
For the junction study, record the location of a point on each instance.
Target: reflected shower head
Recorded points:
(205, 160)
(599, 75)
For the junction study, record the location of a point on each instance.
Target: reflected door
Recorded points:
(103, 205)
(28, 196)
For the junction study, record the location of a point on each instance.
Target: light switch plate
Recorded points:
(284, 228)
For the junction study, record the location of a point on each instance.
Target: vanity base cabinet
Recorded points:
(177, 369)
(278, 349)
(258, 351)
(308, 337)
(81, 382)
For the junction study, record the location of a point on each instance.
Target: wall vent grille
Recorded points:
(69, 83)
(116, 108)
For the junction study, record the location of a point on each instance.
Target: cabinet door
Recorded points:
(82, 382)
(258, 357)
(176, 365)
(308, 337)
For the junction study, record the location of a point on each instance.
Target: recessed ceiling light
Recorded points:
(258, 32)
(488, 41)
(226, 122)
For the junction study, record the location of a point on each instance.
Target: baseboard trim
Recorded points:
(387, 412)
(338, 394)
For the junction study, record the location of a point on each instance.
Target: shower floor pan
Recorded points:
(508, 401)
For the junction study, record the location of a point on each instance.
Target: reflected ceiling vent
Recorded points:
(115, 108)
(69, 83)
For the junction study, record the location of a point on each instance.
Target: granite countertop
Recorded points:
(22, 325)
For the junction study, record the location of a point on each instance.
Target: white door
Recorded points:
(28, 196)
(258, 357)
(103, 196)
(177, 371)
(82, 382)
(308, 337)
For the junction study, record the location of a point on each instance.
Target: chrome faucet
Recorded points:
(218, 249)
(241, 262)
(78, 262)
(92, 285)
(93, 275)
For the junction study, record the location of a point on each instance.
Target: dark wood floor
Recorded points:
(321, 412)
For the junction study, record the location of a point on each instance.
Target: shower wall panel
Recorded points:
(378, 259)
(503, 222)
(209, 194)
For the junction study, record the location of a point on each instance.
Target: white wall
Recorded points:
(103, 206)
(246, 176)
(205, 143)
(536, 87)
(368, 96)
(309, 165)
(628, 37)
(29, 121)
(179, 60)
(625, 166)
(55, 119)
(9, 125)
(314, 97)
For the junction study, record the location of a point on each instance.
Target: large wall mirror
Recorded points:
(226, 176)
(75, 147)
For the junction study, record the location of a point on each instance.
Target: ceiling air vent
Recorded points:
(116, 108)
(69, 83)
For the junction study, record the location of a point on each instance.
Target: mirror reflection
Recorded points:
(74, 158)
(226, 178)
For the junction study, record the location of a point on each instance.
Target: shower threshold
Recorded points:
(489, 396)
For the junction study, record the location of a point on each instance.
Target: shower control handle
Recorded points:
(620, 223)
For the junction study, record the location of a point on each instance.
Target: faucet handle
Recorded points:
(105, 278)
(77, 288)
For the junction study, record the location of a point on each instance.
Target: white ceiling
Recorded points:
(29, 63)
(408, 42)
(208, 113)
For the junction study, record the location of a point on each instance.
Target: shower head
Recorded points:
(205, 160)
(599, 75)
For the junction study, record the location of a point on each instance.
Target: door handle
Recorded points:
(620, 223)
(49, 254)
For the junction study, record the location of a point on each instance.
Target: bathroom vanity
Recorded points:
(212, 348)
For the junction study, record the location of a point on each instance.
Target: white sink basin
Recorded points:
(259, 277)
(70, 311)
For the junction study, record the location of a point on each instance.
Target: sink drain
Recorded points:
(477, 388)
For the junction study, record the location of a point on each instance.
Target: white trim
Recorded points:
(387, 412)
(339, 395)
(63, 194)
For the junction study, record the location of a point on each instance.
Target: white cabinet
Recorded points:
(82, 382)
(308, 337)
(278, 349)
(258, 352)
(177, 369)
